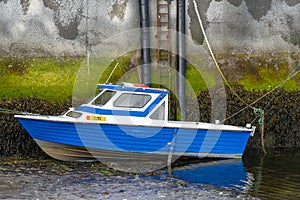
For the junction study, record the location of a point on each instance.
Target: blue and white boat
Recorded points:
(129, 121)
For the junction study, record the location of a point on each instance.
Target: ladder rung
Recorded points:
(163, 31)
(161, 28)
(163, 69)
(165, 58)
(164, 54)
(163, 39)
(164, 61)
(166, 26)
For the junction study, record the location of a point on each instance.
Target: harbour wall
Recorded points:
(52, 28)
(68, 28)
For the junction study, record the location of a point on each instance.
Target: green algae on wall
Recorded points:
(53, 79)
(45, 78)
(261, 71)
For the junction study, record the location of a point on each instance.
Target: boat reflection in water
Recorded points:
(275, 175)
(228, 173)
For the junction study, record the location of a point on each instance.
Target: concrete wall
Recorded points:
(59, 27)
(247, 25)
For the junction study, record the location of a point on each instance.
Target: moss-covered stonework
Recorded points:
(14, 140)
(260, 71)
(45, 78)
(282, 128)
(45, 85)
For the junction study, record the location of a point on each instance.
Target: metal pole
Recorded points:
(145, 42)
(181, 62)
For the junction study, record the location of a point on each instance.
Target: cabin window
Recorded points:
(104, 98)
(130, 100)
(74, 114)
(159, 114)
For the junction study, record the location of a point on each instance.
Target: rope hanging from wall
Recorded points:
(260, 113)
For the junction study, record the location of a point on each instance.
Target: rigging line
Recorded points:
(262, 135)
(214, 59)
(8, 111)
(112, 72)
(266, 94)
(261, 112)
(294, 73)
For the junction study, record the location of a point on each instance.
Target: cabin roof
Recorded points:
(132, 88)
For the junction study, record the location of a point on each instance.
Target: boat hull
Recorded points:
(82, 154)
(77, 141)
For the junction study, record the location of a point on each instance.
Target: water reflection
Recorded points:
(276, 175)
(223, 173)
(273, 176)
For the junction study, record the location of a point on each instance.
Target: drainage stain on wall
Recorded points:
(117, 9)
(59, 27)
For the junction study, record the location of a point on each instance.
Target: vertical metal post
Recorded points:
(181, 62)
(87, 44)
(145, 42)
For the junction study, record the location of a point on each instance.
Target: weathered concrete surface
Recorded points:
(54, 27)
(248, 25)
(58, 28)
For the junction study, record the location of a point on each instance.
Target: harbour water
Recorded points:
(273, 176)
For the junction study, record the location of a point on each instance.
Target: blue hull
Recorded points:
(139, 139)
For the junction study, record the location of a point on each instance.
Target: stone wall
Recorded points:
(38, 28)
(282, 125)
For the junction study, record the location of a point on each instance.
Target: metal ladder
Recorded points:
(163, 41)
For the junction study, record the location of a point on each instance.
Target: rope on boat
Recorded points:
(261, 121)
(294, 73)
(259, 112)
(171, 150)
(8, 111)
(112, 72)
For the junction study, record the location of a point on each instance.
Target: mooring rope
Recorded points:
(9, 111)
(266, 94)
(259, 112)
(111, 73)
(214, 58)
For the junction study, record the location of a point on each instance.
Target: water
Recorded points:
(49, 179)
(274, 176)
